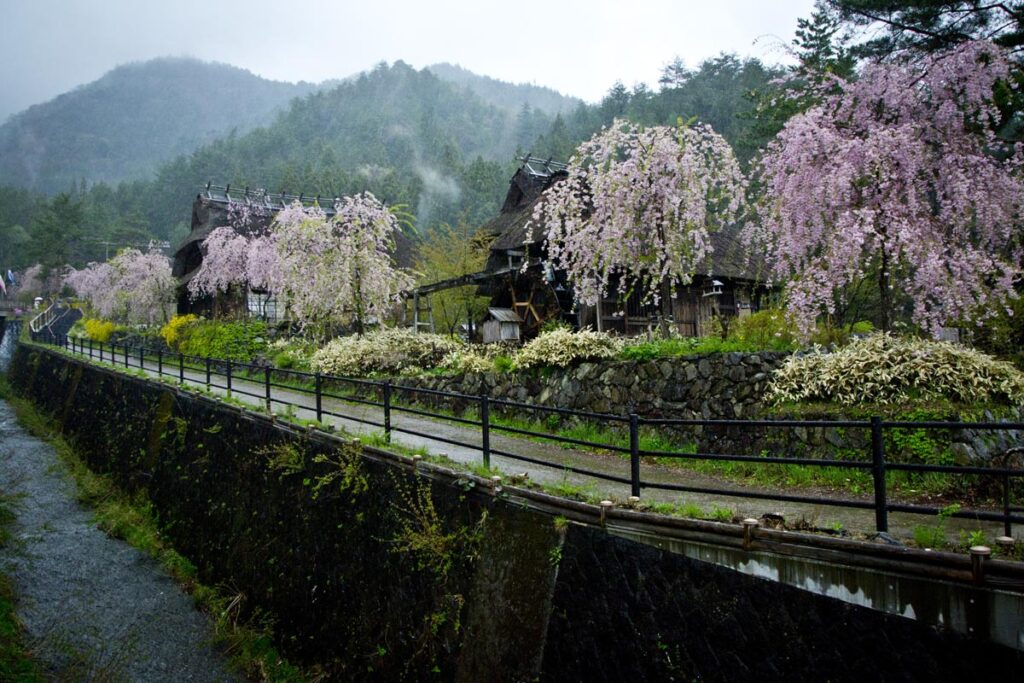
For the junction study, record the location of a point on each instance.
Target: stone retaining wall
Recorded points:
(714, 386)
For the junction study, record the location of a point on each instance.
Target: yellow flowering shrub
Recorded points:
(171, 332)
(98, 330)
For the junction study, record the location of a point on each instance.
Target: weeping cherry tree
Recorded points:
(636, 211)
(321, 268)
(134, 286)
(898, 175)
(338, 267)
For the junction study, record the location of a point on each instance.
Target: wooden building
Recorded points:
(209, 212)
(725, 286)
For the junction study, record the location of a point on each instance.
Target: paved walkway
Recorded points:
(353, 418)
(94, 608)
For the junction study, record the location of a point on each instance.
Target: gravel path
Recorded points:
(94, 608)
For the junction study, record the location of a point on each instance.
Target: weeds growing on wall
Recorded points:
(439, 550)
(15, 659)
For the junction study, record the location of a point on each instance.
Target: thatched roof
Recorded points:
(210, 211)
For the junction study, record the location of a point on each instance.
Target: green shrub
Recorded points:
(384, 351)
(240, 340)
(882, 369)
(641, 349)
(504, 364)
(562, 348)
(770, 329)
(291, 353)
(827, 335)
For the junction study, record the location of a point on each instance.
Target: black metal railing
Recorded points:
(283, 387)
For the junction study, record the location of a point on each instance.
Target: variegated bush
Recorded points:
(479, 358)
(385, 351)
(562, 348)
(883, 369)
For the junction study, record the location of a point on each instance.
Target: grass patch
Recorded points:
(16, 662)
(248, 642)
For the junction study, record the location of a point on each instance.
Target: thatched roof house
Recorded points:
(210, 211)
(725, 285)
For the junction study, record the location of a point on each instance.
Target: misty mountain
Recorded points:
(408, 136)
(124, 125)
(510, 96)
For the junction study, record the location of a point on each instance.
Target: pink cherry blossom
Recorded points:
(134, 286)
(638, 207)
(901, 167)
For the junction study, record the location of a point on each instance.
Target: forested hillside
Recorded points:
(511, 96)
(137, 116)
(439, 149)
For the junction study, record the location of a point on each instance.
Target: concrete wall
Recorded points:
(380, 571)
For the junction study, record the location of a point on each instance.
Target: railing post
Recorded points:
(160, 362)
(126, 351)
(878, 473)
(227, 374)
(485, 429)
(634, 453)
(207, 373)
(142, 357)
(1007, 528)
(90, 350)
(387, 412)
(266, 384)
(181, 368)
(101, 350)
(319, 381)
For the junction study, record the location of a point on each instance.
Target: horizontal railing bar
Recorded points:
(352, 380)
(738, 493)
(434, 392)
(667, 422)
(963, 514)
(560, 411)
(556, 466)
(351, 399)
(1011, 426)
(559, 439)
(425, 413)
(350, 418)
(435, 437)
(765, 459)
(954, 469)
(287, 387)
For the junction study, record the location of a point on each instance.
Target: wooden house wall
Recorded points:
(691, 311)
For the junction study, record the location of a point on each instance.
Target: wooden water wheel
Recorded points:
(535, 303)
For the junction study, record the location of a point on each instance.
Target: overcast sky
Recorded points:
(579, 47)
